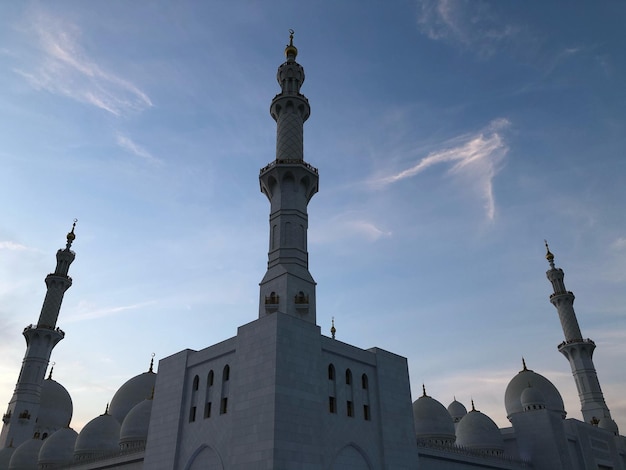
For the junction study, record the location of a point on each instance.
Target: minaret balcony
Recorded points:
(288, 161)
(576, 341)
(272, 302)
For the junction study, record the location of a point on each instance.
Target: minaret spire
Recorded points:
(578, 351)
(19, 420)
(289, 183)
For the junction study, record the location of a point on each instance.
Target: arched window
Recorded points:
(348, 377)
(209, 379)
(331, 372)
(226, 373)
(196, 383)
(364, 382)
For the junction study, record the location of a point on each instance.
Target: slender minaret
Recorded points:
(578, 351)
(289, 183)
(19, 420)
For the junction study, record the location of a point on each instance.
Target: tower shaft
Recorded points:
(578, 351)
(289, 183)
(19, 420)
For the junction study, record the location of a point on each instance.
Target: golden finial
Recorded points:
(524, 364)
(51, 369)
(333, 330)
(549, 255)
(71, 236)
(291, 51)
(424, 390)
(151, 364)
(473, 407)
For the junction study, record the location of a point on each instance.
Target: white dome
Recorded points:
(532, 399)
(100, 436)
(26, 455)
(58, 449)
(524, 379)
(432, 420)
(132, 392)
(457, 410)
(5, 456)
(477, 431)
(134, 431)
(55, 409)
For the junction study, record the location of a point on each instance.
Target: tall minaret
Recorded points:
(578, 351)
(19, 420)
(289, 183)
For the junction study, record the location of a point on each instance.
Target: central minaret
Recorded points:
(19, 420)
(289, 183)
(578, 351)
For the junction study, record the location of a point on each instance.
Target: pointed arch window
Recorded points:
(226, 374)
(348, 377)
(196, 383)
(331, 372)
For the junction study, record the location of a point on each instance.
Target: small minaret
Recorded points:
(578, 351)
(289, 183)
(19, 420)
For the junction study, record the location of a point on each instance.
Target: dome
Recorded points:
(432, 420)
(477, 431)
(5, 456)
(609, 425)
(457, 410)
(134, 431)
(58, 449)
(527, 378)
(132, 392)
(26, 455)
(100, 436)
(55, 409)
(532, 399)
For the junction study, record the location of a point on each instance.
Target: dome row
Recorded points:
(123, 426)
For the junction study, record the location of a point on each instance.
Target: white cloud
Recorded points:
(347, 225)
(12, 246)
(129, 145)
(89, 312)
(469, 24)
(63, 67)
(476, 158)
(619, 244)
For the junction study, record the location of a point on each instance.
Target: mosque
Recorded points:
(280, 395)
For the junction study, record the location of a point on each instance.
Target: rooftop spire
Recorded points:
(333, 330)
(151, 363)
(290, 50)
(71, 236)
(549, 255)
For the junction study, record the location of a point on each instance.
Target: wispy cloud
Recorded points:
(130, 146)
(88, 312)
(347, 225)
(475, 157)
(471, 25)
(62, 66)
(12, 246)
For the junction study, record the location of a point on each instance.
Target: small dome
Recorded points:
(134, 431)
(527, 378)
(457, 410)
(100, 436)
(58, 449)
(55, 409)
(5, 456)
(26, 455)
(532, 399)
(132, 392)
(609, 425)
(432, 420)
(477, 431)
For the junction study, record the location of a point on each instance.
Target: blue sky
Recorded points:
(451, 137)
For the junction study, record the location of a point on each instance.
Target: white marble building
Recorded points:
(280, 395)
